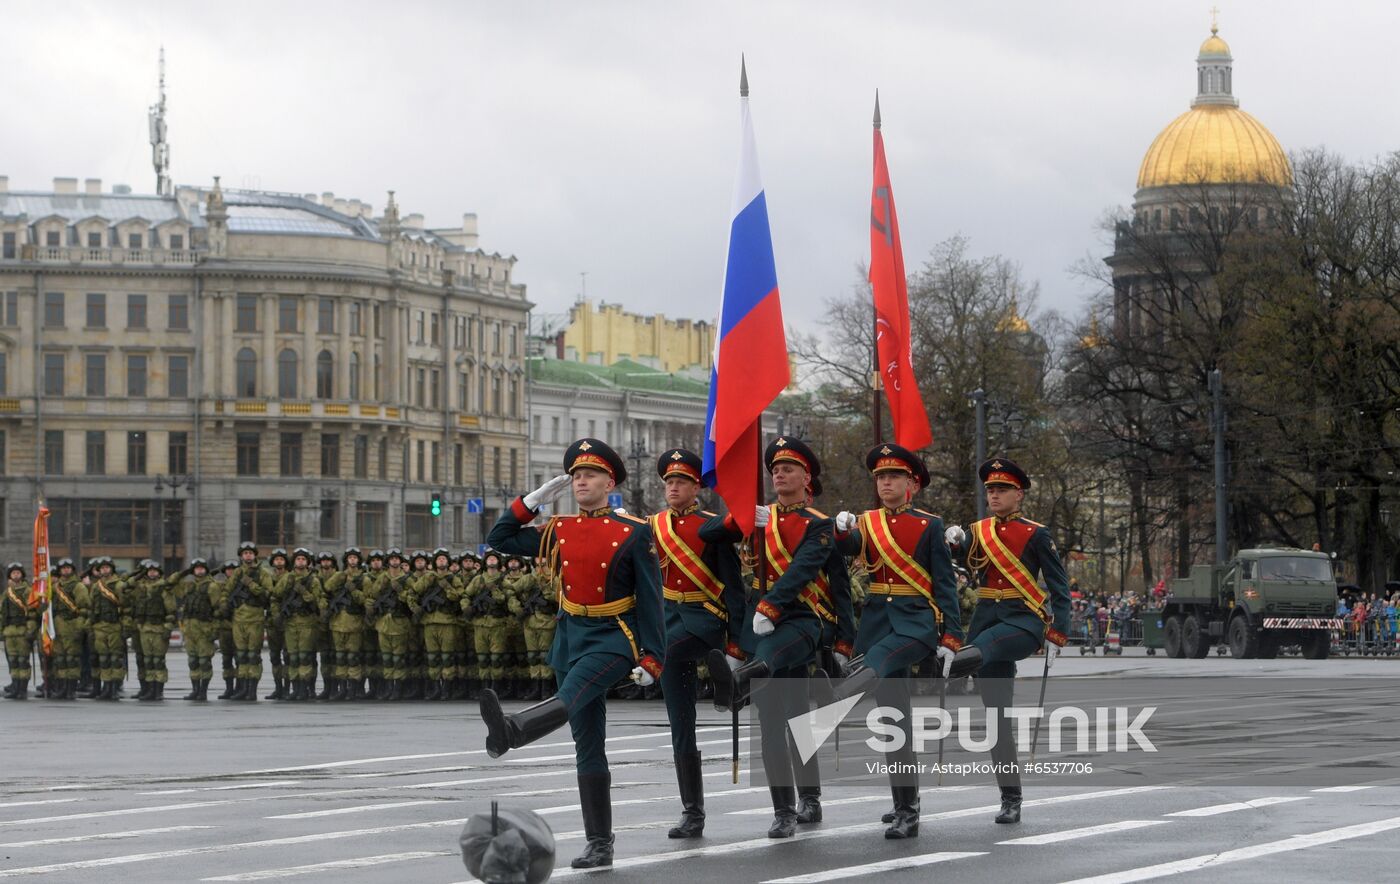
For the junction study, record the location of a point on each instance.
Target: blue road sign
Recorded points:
(476, 505)
(615, 499)
(481, 548)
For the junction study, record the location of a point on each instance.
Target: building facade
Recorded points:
(609, 334)
(179, 373)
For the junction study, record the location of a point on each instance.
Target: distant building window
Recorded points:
(514, 397)
(378, 326)
(286, 314)
(94, 239)
(354, 376)
(96, 310)
(136, 453)
(289, 454)
(178, 318)
(356, 327)
(4, 373)
(134, 241)
(248, 451)
(178, 377)
(422, 461)
(135, 311)
(376, 377)
(370, 522)
(178, 453)
(53, 239)
(53, 452)
(177, 241)
(268, 522)
(361, 457)
(96, 453)
(330, 454)
(136, 375)
(325, 316)
(436, 387)
(496, 394)
(383, 458)
(419, 324)
(436, 460)
(245, 374)
(95, 367)
(417, 525)
(9, 245)
(53, 374)
(330, 518)
(53, 309)
(435, 333)
(9, 315)
(457, 452)
(246, 314)
(421, 376)
(287, 374)
(463, 385)
(325, 375)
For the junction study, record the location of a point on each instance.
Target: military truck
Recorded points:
(1258, 602)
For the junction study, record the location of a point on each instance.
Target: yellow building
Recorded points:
(607, 334)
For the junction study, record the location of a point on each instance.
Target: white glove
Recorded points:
(760, 516)
(732, 662)
(548, 492)
(762, 625)
(845, 521)
(955, 535)
(620, 511)
(842, 661)
(1052, 651)
(642, 677)
(945, 659)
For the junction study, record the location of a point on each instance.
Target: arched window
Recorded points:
(287, 374)
(245, 385)
(325, 375)
(354, 376)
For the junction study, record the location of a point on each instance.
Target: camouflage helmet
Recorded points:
(352, 551)
(324, 556)
(488, 556)
(199, 562)
(64, 562)
(247, 545)
(149, 565)
(12, 568)
(303, 553)
(393, 552)
(230, 565)
(279, 552)
(375, 554)
(418, 554)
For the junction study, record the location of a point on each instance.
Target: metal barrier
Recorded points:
(1366, 638)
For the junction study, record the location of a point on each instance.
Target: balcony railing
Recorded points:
(102, 255)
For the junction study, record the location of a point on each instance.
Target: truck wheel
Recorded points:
(1316, 645)
(1171, 637)
(1193, 639)
(1244, 642)
(1268, 647)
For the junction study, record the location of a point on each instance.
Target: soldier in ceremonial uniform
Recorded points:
(911, 607)
(808, 587)
(246, 601)
(705, 607)
(70, 608)
(1015, 617)
(610, 626)
(277, 630)
(19, 620)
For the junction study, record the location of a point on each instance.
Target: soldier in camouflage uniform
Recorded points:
(484, 603)
(245, 603)
(297, 596)
(276, 631)
(20, 621)
(343, 609)
(70, 608)
(326, 569)
(107, 613)
(390, 611)
(435, 600)
(466, 658)
(223, 626)
(416, 682)
(517, 669)
(196, 600)
(370, 638)
(535, 601)
(152, 608)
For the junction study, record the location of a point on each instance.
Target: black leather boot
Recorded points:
(113, 690)
(434, 690)
(860, 679)
(784, 812)
(505, 732)
(594, 792)
(905, 818)
(692, 789)
(145, 692)
(809, 805)
(21, 689)
(229, 689)
(279, 689)
(325, 688)
(966, 661)
(1010, 805)
(734, 686)
(395, 690)
(251, 695)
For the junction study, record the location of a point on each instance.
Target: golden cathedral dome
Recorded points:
(1215, 142)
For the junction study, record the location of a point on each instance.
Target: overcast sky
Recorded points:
(602, 136)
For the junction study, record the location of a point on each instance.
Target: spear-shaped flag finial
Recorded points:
(743, 77)
(877, 108)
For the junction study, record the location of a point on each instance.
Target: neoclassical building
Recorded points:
(181, 372)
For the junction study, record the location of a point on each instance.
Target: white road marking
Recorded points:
(337, 865)
(103, 836)
(1085, 832)
(340, 811)
(1344, 789)
(889, 865)
(271, 784)
(43, 801)
(127, 811)
(1268, 848)
(1233, 806)
(611, 752)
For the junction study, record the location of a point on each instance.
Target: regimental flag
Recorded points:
(751, 359)
(893, 338)
(39, 592)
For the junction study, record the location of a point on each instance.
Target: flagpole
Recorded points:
(878, 432)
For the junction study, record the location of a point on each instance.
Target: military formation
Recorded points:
(387, 626)
(776, 613)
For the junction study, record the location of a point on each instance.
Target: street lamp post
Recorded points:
(174, 483)
(638, 457)
(1122, 558)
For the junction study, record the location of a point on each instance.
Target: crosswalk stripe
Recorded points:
(1344, 788)
(271, 784)
(102, 836)
(126, 811)
(1240, 854)
(42, 801)
(355, 808)
(1233, 806)
(1084, 832)
(889, 865)
(335, 865)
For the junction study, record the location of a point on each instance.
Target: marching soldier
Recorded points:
(245, 603)
(808, 587)
(485, 604)
(70, 612)
(152, 608)
(277, 631)
(343, 609)
(911, 608)
(19, 620)
(1014, 616)
(611, 624)
(390, 612)
(228, 652)
(705, 606)
(297, 596)
(196, 600)
(109, 613)
(433, 598)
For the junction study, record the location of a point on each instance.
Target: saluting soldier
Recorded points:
(228, 652)
(152, 607)
(434, 596)
(277, 631)
(196, 599)
(611, 624)
(19, 620)
(108, 616)
(70, 611)
(1015, 617)
(705, 607)
(808, 588)
(911, 608)
(246, 602)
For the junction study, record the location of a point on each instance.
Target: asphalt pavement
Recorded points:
(1283, 770)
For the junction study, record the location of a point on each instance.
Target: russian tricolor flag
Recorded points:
(751, 358)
